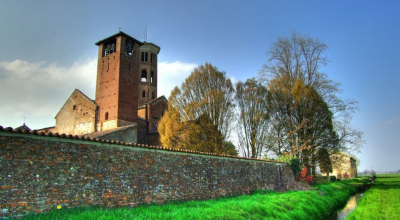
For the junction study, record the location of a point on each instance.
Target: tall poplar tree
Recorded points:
(252, 103)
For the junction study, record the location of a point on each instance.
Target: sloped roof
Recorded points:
(102, 133)
(142, 118)
(116, 35)
(154, 101)
(24, 126)
(51, 127)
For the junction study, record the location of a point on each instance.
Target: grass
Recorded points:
(381, 201)
(320, 203)
(317, 204)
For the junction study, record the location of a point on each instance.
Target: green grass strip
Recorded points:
(316, 204)
(381, 201)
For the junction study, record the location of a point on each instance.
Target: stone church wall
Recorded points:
(77, 116)
(126, 135)
(40, 172)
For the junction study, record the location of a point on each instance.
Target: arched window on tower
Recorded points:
(128, 47)
(152, 77)
(109, 48)
(144, 76)
(144, 93)
(152, 95)
(106, 116)
(145, 56)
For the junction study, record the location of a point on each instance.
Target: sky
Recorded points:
(47, 49)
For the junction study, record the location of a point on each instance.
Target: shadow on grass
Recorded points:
(391, 185)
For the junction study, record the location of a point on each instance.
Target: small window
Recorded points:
(144, 93)
(106, 116)
(74, 107)
(144, 76)
(152, 95)
(145, 58)
(152, 77)
(142, 57)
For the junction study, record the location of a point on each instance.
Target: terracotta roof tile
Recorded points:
(88, 138)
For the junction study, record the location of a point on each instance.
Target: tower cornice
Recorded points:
(147, 46)
(119, 34)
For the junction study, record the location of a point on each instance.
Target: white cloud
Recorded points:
(37, 91)
(392, 121)
(171, 75)
(234, 81)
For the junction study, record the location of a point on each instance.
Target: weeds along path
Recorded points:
(381, 201)
(315, 204)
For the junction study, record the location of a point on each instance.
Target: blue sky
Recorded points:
(47, 50)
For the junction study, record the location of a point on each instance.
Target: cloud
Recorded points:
(392, 121)
(171, 75)
(234, 81)
(38, 90)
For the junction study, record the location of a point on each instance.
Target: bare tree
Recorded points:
(301, 96)
(252, 103)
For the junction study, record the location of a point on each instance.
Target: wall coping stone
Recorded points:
(100, 142)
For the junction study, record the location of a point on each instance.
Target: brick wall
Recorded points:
(156, 110)
(153, 139)
(39, 173)
(117, 72)
(142, 130)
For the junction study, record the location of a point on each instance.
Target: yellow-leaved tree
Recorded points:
(200, 113)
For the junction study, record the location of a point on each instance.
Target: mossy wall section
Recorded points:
(39, 173)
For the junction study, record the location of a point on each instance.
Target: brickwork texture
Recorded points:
(39, 173)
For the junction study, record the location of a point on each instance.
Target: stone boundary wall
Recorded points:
(39, 172)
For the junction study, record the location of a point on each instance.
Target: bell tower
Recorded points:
(147, 79)
(117, 81)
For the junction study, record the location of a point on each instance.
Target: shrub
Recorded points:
(294, 163)
(321, 179)
(295, 166)
(332, 178)
(308, 179)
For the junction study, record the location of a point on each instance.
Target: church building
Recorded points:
(126, 106)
